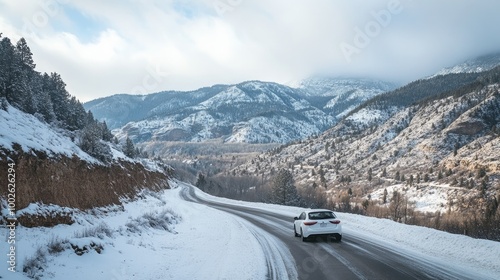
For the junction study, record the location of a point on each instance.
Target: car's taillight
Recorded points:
(335, 222)
(310, 223)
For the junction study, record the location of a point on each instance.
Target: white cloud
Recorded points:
(180, 44)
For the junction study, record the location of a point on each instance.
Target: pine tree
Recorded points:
(75, 118)
(201, 182)
(106, 135)
(56, 88)
(397, 177)
(42, 101)
(24, 72)
(283, 190)
(129, 149)
(6, 56)
(426, 178)
(322, 178)
(11, 82)
(25, 55)
(90, 142)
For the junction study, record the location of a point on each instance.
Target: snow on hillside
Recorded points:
(230, 95)
(161, 236)
(367, 116)
(429, 197)
(17, 127)
(263, 130)
(32, 134)
(330, 86)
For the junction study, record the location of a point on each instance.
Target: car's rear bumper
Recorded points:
(319, 231)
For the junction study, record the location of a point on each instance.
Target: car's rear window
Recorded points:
(321, 215)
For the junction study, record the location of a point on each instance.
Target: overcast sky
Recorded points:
(104, 47)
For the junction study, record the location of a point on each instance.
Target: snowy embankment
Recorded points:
(161, 236)
(31, 134)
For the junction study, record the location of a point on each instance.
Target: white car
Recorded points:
(317, 222)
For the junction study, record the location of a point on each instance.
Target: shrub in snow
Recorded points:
(34, 265)
(163, 220)
(57, 245)
(100, 231)
(155, 194)
(85, 245)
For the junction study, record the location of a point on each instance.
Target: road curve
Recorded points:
(353, 258)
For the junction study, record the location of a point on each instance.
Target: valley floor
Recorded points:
(163, 236)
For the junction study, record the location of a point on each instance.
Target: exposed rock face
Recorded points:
(73, 183)
(468, 128)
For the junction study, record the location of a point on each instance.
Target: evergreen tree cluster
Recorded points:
(45, 96)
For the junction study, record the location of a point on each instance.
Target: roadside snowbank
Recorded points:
(202, 243)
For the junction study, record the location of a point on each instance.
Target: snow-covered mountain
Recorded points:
(249, 112)
(338, 96)
(480, 64)
(444, 142)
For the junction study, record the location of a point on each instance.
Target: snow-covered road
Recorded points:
(215, 238)
(371, 248)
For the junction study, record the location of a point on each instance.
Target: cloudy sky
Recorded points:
(104, 47)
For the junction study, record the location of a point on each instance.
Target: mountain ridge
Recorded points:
(246, 112)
